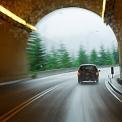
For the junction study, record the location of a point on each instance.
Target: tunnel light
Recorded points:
(103, 9)
(16, 18)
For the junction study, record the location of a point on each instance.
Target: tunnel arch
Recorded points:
(57, 17)
(14, 38)
(48, 15)
(95, 6)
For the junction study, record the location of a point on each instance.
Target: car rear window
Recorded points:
(88, 67)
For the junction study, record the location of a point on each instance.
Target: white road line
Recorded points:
(112, 92)
(12, 82)
(20, 107)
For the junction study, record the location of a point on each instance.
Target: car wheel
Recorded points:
(79, 80)
(97, 80)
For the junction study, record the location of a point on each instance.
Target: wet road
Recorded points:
(59, 98)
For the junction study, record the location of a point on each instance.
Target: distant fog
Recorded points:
(75, 27)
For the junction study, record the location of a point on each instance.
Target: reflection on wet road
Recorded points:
(59, 98)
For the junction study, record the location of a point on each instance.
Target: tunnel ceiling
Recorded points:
(33, 10)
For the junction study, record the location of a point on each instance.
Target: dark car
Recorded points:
(88, 72)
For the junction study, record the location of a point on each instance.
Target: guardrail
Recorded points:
(59, 71)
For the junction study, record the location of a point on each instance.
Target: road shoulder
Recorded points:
(114, 87)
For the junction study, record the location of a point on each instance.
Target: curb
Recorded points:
(41, 74)
(13, 82)
(114, 88)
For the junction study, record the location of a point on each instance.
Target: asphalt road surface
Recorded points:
(59, 98)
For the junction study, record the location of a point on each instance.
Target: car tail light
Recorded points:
(97, 73)
(78, 73)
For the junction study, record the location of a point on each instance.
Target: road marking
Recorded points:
(112, 92)
(12, 82)
(20, 107)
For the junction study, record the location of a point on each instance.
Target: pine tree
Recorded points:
(106, 57)
(36, 53)
(64, 57)
(94, 57)
(82, 56)
(115, 54)
(53, 61)
(74, 61)
(109, 58)
(59, 58)
(102, 56)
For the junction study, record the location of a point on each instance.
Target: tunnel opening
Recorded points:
(69, 37)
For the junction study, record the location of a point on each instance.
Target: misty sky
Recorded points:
(74, 27)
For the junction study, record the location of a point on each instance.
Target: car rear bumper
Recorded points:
(90, 78)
